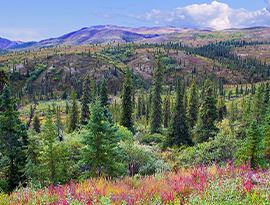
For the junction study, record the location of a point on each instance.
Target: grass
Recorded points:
(229, 184)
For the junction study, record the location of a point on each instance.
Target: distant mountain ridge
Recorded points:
(103, 34)
(93, 35)
(7, 44)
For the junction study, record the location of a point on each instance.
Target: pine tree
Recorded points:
(258, 105)
(179, 130)
(12, 139)
(36, 123)
(222, 109)
(156, 116)
(127, 103)
(73, 113)
(206, 128)
(193, 105)
(54, 157)
(100, 143)
(104, 94)
(139, 107)
(85, 111)
(167, 110)
(3, 80)
(95, 92)
(250, 150)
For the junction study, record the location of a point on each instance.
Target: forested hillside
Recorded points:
(117, 115)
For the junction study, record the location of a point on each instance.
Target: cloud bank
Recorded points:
(22, 34)
(215, 15)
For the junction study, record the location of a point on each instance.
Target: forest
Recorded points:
(128, 123)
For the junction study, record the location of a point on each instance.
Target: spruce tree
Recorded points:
(73, 113)
(139, 107)
(156, 116)
(167, 110)
(251, 149)
(3, 80)
(12, 139)
(95, 91)
(100, 151)
(206, 128)
(179, 131)
(85, 111)
(193, 105)
(127, 103)
(36, 123)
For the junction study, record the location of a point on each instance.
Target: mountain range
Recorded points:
(109, 33)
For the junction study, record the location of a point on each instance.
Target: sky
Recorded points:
(34, 20)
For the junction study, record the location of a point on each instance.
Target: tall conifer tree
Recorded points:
(179, 130)
(193, 105)
(206, 127)
(156, 115)
(127, 103)
(12, 139)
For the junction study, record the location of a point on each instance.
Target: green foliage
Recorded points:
(251, 147)
(178, 133)
(73, 114)
(167, 110)
(206, 127)
(156, 115)
(151, 139)
(101, 152)
(85, 111)
(218, 150)
(193, 105)
(36, 123)
(126, 103)
(12, 140)
(54, 157)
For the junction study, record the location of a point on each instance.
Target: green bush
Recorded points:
(151, 139)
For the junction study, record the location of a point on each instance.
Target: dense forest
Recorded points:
(113, 111)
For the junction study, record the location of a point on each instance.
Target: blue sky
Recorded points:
(28, 20)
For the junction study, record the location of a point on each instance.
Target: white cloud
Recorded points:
(20, 34)
(215, 15)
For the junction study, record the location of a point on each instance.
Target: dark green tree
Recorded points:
(179, 130)
(85, 111)
(100, 151)
(12, 140)
(156, 116)
(206, 127)
(139, 107)
(36, 123)
(73, 114)
(127, 103)
(167, 110)
(193, 105)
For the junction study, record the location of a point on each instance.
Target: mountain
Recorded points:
(98, 34)
(110, 33)
(7, 44)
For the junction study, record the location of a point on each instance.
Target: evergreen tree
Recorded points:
(104, 99)
(3, 80)
(101, 143)
(167, 110)
(258, 105)
(193, 105)
(127, 103)
(139, 107)
(222, 109)
(95, 92)
(251, 149)
(54, 157)
(36, 123)
(73, 113)
(85, 111)
(206, 128)
(12, 139)
(156, 106)
(179, 130)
